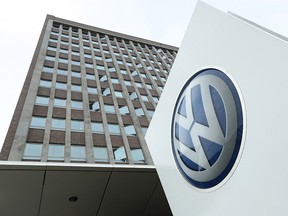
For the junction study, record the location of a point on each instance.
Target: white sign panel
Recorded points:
(219, 135)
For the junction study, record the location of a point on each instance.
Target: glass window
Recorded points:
(94, 106)
(120, 154)
(114, 129)
(100, 154)
(45, 83)
(42, 100)
(130, 130)
(62, 86)
(90, 76)
(59, 102)
(118, 94)
(143, 75)
(58, 123)
(75, 74)
(88, 65)
(49, 58)
(75, 63)
(38, 122)
(124, 110)
(115, 81)
(137, 156)
(150, 113)
(77, 125)
(76, 88)
(47, 69)
(78, 153)
(106, 92)
(62, 72)
(103, 78)
(139, 85)
(76, 104)
(100, 67)
(139, 112)
(133, 96)
(144, 98)
(75, 53)
(129, 63)
(109, 108)
(149, 86)
(56, 152)
(92, 90)
(63, 60)
(123, 71)
(98, 58)
(109, 60)
(144, 130)
(32, 151)
(127, 83)
(97, 127)
(112, 69)
(155, 99)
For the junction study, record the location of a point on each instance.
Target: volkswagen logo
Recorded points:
(207, 129)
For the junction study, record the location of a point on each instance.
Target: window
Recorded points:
(59, 102)
(38, 122)
(100, 67)
(129, 63)
(65, 61)
(32, 151)
(45, 83)
(133, 96)
(130, 130)
(112, 70)
(47, 69)
(127, 83)
(94, 106)
(103, 78)
(114, 129)
(77, 125)
(106, 92)
(109, 60)
(75, 63)
(139, 112)
(144, 98)
(62, 86)
(88, 65)
(62, 72)
(58, 123)
(137, 155)
(56, 152)
(75, 74)
(149, 86)
(120, 154)
(78, 153)
(42, 100)
(98, 58)
(155, 99)
(144, 130)
(150, 113)
(92, 90)
(139, 85)
(115, 81)
(100, 154)
(50, 58)
(90, 76)
(118, 94)
(76, 88)
(124, 110)
(76, 104)
(123, 71)
(143, 75)
(96, 127)
(109, 108)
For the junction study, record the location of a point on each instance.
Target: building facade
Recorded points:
(89, 96)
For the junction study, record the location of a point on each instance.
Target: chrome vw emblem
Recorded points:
(207, 128)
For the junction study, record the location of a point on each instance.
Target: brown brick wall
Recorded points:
(116, 141)
(35, 135)
(77, 114)
(134, 142)
(78, 138)
(99, 140)
(40, 110)
(57, 136)
(59, 113)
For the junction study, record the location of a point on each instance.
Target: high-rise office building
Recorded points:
(88, 97)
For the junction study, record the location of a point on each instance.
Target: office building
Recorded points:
(88, 97)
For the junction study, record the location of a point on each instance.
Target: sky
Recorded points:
(163, 21)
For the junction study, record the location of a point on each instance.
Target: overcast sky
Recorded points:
(164, 21)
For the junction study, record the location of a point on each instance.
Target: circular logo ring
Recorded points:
(207, 128)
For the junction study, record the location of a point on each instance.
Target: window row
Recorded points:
(56, 152)
(78, 125)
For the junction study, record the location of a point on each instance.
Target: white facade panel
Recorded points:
(257, 62)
